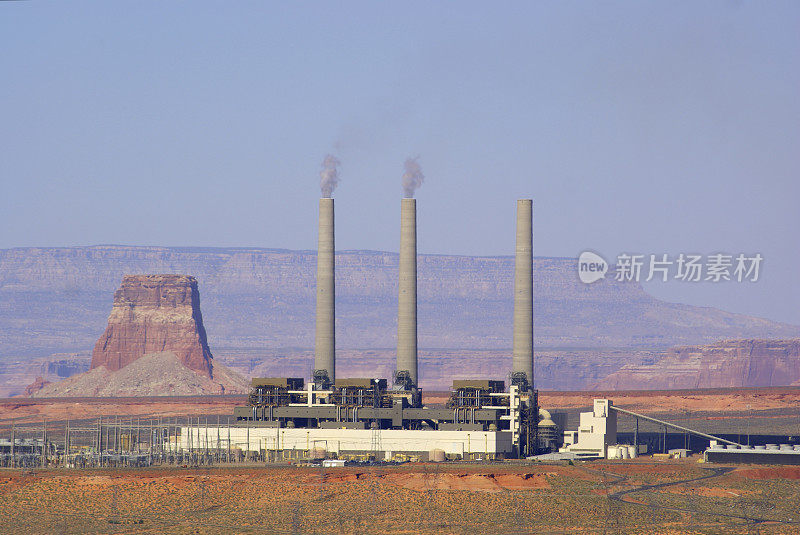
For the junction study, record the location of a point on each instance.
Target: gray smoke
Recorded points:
(413, 177)
(329, 176)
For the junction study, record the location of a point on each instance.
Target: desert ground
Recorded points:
(643, 496)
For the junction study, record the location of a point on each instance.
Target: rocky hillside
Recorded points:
(733, 363)
(153, 314)
(56, 300)
(15, 373)
(154, 345)
(155, 374)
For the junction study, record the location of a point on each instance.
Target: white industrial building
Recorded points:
(596, 432)
(301, 442)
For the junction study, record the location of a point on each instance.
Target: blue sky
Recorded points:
(636, 126)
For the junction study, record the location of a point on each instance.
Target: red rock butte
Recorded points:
(155, 314)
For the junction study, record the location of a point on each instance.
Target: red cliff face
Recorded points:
(155, 314)
(751, 363)
(731, 364)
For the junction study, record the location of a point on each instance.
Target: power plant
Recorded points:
(380, 419)
(359, 416)
(375, 419)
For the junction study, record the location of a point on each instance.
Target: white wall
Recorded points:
(335, 440)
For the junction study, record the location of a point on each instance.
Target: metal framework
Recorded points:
(673, 426)
(474, 405)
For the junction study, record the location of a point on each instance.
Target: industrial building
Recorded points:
(596, 437)
(384, 418)
(764, 454)
(596, 433)
(294, 443)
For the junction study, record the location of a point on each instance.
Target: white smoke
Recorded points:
(329, 176)
(413, 177)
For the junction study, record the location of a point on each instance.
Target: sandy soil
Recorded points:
(777, 472)
(706, 492)
(419, 499)
(427, 481)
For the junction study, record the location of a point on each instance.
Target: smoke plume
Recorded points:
(329, 176)
(412, 178)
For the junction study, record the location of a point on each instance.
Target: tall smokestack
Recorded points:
(407, 297)
(325, 350)
(523, 293)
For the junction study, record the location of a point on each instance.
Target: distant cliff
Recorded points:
(56, 300)
(733, 363)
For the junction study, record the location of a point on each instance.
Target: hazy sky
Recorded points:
(636, 126)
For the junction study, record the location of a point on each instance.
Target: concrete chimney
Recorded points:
(407, 297)
(325, 350)
(523, 292)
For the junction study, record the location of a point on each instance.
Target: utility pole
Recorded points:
(689, 436)
(66, 444)
(13, 441)
(685, 434)
(44, 441)
(749, 417)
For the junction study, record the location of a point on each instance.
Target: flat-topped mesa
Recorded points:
(155, 314)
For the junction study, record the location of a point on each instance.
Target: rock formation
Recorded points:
(155, 374)
(35, 386)
(155, 314)
(16, 373)
(732, 363)
(155, 344)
